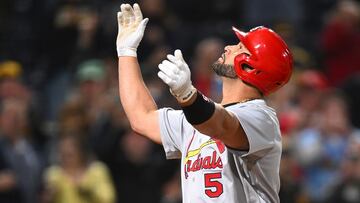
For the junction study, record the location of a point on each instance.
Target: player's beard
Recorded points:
(224, 70)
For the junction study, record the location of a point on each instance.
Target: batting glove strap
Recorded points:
(185, 95)
(126, 51)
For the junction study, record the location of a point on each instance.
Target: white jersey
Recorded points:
(212, 172)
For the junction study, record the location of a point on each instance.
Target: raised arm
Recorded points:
(207, 117)
(136, 100)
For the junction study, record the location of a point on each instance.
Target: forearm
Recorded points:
(135, 97)
(205, 116)
(215, 121)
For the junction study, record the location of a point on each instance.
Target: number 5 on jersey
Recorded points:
(214, 188)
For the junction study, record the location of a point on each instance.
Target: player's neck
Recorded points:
(236, 91)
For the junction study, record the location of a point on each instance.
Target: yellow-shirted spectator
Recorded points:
(76, 179)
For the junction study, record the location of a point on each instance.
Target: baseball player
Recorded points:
(230, 152)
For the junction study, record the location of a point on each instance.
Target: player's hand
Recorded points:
(131, 26)
(176, 73)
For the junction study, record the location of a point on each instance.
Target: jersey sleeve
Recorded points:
(173, 127)
(261, 128)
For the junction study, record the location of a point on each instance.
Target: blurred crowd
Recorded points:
(64, 136)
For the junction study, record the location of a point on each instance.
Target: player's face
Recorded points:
(224, 66)
(231, 51)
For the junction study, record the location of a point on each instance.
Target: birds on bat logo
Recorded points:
(194, 161)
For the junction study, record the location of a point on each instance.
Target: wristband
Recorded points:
(200, 110)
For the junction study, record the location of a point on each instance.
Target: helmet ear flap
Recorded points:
(241, 62)
(246, 69)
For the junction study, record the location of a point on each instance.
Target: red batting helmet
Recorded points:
(270, 59)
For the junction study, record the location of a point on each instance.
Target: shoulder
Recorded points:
(257, 118)
(98, 165)
(254, 109)
(97, 168)
(53, 170)
(53, 173)
(256, 103)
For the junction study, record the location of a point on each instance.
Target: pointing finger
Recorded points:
(179, 55)
(164, 78)
(168, 71)
(173, 59)
(173, 67)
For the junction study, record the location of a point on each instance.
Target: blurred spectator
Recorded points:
(77, 23)
(12, 86)
(286, 109)
(314, 17)
(64, 30)
(348, 188)
(290, 177)
(90, 34)
(77, 178)
(298, 102)
(10, 82)
(72, 119)
(341, 42)
(303, 59)
(137, 156)
(351, 88)
(9, 191)
(99, 106)
(312, 85)
(206, 53)
(321, 148)
(91, 88)
(93, 109)
(171, 192)
(143, 170)
(23, 164)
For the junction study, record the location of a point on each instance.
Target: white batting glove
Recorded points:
(176, 73)
(131, 26)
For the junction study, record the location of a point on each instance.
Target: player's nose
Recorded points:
(229, 48)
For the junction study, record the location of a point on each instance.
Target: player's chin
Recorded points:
(224, 70)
